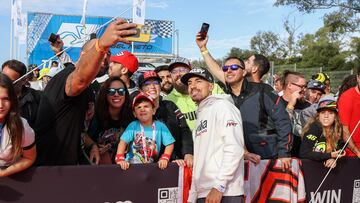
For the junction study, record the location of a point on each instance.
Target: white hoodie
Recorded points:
(218, 148)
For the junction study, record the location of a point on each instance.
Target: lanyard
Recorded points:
(144, 141)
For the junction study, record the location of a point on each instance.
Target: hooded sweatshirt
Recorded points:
(218, 148)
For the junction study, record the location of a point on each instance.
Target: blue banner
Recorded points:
(41, 25)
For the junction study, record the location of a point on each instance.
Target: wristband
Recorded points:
(100, 49)
(205, 52)
(290, 107)
(119, 157)
(165, 157)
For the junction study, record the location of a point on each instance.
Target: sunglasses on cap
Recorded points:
(151, 82)
(120, 91)
(232, 67)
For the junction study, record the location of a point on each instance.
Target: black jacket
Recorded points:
(313, 145)
(170, 114)
(29, 103)
(266, 124)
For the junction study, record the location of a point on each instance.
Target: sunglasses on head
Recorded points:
(151, 82)
(120, 91)
(232, 67)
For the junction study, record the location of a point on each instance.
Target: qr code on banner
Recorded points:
(168, 195)
(356, 191)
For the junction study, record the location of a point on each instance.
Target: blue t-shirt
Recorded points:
(132, 136)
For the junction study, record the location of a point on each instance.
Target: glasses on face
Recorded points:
(179, 70)
(300, 86)
(151, 82)
(232, 67)
(120, 91)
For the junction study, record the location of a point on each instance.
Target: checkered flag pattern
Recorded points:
(162, 28)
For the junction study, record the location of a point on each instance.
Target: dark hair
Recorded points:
(263, 63)
(15, 65)
(54, 62)
(242, 63)
(358, 70)
(286, 75)
(13, 120)
(102, 105)
(349, 82)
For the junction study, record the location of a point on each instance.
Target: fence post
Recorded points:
(272, 73)
(295, 67)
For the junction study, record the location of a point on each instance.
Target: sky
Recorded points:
(232, 22)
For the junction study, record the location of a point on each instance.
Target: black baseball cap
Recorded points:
(316, 85)
(161, 68)
(197, 72)
(148, 75)
(180, 62)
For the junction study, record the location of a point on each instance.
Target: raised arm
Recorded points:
(89, 62)
(213, 67)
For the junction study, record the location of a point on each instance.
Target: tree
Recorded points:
(318, 50)
(266, 43)
(240, 53)
(289, 47)
(345, 18)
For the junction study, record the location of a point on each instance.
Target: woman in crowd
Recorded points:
(17, 139)
(112, 115)
(322, 135)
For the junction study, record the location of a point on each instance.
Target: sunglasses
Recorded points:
(178, 70)
(232, 67)
(151, 82)
(120, 91)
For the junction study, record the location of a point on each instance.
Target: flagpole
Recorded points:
(11, 38)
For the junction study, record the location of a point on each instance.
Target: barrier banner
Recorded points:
(110, 184)
(267, 182)
(341, 185)
(72, 32)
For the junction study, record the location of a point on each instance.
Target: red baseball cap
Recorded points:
(144, 96)
(127, 59)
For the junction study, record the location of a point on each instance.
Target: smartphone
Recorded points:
(204, 30)
(142, 34)
(53, 38)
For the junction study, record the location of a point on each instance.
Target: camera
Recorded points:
(53, 38)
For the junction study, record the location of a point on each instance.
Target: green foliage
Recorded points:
(265, 43)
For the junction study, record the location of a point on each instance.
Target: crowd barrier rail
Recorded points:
(265, 182)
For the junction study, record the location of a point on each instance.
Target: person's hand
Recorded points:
(162, 163)
(214, 196)
(294, 97)
(179, 162)
(2, 173)
(123, 164)
(254, 158)
(57, 46)
(116, 32)
(201, 42)
(104, 148)
(285, 163)
(95, 154)
(336, 153)
(330, 163)
(189, 160)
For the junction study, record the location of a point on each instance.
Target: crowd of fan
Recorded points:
(92, 112)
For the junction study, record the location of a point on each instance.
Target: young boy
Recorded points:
(144, 136)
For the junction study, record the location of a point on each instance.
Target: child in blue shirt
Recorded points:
(144, 137)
